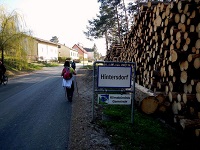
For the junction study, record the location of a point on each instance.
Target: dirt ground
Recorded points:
(85, 135)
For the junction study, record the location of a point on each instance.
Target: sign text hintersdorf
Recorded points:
(114, 76)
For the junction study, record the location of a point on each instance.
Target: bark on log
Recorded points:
(188, 97)
(172, 96)
(160, 98)
(192, 57)
(188, 123)
(184, 65)
(198, 87)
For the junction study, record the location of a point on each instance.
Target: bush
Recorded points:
(61, 59)
(17, 63)
(77, 60)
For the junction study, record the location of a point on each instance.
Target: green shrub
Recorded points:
(61, 59)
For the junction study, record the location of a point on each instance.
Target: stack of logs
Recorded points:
(165, 43)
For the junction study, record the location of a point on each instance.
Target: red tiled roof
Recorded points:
(81, 48)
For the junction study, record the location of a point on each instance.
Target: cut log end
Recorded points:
(149, 105)
(197, 63)
(183, 77)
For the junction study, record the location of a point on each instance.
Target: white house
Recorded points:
(82, 53)
(46, 50)
(74, 54)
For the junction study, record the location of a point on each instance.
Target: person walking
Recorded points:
(68, 83)
(73, 65)
(2, 71)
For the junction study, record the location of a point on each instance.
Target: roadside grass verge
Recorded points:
(147, 133)
(87, 67)
(13, 70)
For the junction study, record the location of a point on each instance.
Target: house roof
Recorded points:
(80, 48)
(89, 49)
(63, 45)
(45, 41)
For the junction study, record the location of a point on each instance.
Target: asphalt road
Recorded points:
(34, 113)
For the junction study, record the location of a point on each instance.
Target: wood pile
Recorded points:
(165, 43)
(114, 52)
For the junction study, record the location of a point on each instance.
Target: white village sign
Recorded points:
(114, 76)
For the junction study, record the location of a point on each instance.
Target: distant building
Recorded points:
(90, 53)
(74, 54)
(93, 55)
(82, 53)
(45, 50)
(66, 52)
(49, 51)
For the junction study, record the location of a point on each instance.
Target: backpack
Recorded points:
(66, 73)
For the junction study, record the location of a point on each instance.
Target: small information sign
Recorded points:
(115, 99)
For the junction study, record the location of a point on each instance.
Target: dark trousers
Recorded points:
(1, 77)
(74, 67)
(70, 92)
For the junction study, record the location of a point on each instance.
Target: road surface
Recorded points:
(34, 113)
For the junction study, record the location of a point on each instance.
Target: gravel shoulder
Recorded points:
(85, 135)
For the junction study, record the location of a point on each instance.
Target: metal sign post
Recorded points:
(114, 77)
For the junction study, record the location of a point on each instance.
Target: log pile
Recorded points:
(114, 52)
(165, 43)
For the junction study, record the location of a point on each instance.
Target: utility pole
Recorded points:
(83, 57)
